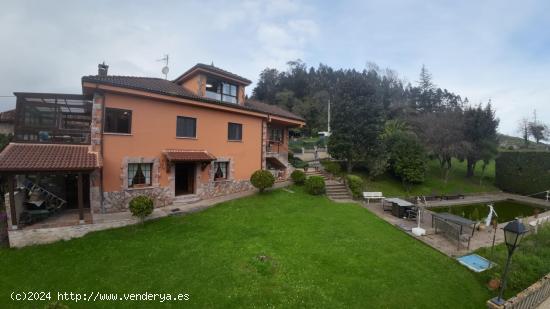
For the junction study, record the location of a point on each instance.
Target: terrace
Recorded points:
(49, 166)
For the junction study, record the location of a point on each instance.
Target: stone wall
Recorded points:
(118, 201)
(18, 197)
(29, 237)
(224, 187)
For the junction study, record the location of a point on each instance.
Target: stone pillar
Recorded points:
(80, 196)
(11, 200)
(95, 194)
(264, 144)
(96, 130)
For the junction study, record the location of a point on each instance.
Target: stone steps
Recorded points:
(186, 199)
(334, 189)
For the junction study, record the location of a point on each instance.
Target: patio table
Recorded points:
(399, 206)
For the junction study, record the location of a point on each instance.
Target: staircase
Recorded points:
(335, 189)
(186, 199)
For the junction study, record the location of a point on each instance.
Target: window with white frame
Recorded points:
(221, 170)
(139, 174)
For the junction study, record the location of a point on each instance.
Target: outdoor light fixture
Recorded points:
(513, 233)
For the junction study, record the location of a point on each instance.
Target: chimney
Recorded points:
(102, 69)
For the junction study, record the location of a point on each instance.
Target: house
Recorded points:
(6, 122)
(86, 155)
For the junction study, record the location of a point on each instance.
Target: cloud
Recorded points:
(496, 50)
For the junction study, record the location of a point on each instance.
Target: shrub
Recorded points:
(141, 206)
(262, 179)
(332, 167)
(315, 185)
(298, 177)
(355, 184)
(523, 172)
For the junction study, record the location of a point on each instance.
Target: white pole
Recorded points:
(328, 130)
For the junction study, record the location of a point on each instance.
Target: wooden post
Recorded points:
(11, 188)
(80, 199)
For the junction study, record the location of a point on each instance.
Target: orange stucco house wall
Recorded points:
(155, 105)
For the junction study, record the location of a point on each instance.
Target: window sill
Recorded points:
(114, 133)
(140, 188)
(182, 137)
(221, 180)
(235, 140)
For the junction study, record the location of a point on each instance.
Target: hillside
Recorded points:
(507, 141)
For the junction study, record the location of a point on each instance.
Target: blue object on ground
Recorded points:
(475, 262)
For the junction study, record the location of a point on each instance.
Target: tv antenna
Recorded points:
(165, 69)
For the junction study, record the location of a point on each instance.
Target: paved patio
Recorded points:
(483, 238)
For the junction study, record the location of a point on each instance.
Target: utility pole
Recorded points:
(328, 129)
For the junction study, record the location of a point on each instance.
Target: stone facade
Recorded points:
(223, 187)
(118, 201)
(264, 144)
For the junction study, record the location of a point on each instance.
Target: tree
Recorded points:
(523, 129)
(426, 100)
(358, 121)
(480, 132)
(408, 159)
(267, 86)
(538, 131)
(442, 133)
(5, 140)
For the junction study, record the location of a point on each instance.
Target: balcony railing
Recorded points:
(53, 118)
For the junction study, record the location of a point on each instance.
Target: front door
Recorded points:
(185, 178)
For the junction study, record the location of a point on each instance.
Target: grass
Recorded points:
(457, 181)
(529, 262)
(276, 250)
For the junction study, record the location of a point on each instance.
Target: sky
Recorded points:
(483, 50)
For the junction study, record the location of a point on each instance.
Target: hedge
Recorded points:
(523, 172)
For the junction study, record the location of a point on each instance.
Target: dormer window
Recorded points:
(221, 90)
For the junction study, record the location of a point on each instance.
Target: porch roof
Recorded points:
(23, 157)
(182, 155)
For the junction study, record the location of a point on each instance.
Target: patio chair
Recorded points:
(412, 213)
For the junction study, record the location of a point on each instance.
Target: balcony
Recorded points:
(51, 118)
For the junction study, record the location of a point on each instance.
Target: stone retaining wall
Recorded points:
(29, 237)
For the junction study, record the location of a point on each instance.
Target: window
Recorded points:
(276, 134)
(220, 170)
(186, 127)
(139, 174)
(220, 90)
(234, 131)
(118, 120)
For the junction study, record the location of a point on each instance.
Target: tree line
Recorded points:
(381, 123)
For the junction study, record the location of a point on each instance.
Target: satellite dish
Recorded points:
(165, 70)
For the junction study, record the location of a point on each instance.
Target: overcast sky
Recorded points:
(498, 50)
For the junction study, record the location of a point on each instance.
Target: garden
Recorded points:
(282, 248)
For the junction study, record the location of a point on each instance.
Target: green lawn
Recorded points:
(316, 254)
(457, 181)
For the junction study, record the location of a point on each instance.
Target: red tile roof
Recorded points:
(47, 157)
(7, 116)
(271, 109)
(213, 69)
(188, 155)
(166, 87)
